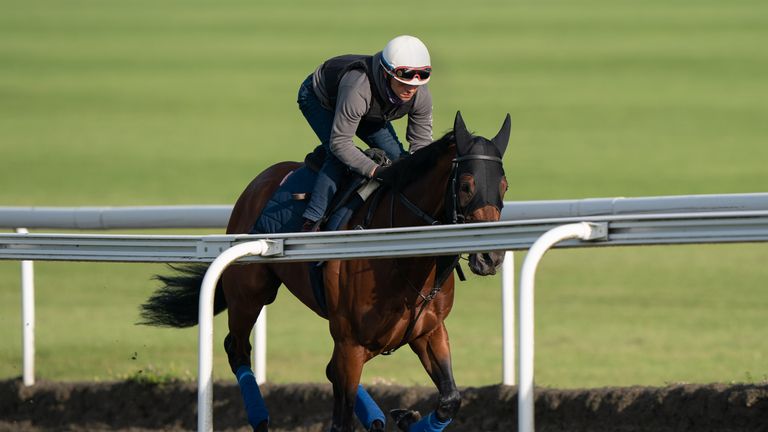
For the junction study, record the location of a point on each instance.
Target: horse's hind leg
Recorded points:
(435, 355)
(247, 289)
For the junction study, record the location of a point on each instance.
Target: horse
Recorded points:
(373, 306)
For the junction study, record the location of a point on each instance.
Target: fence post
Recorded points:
(260, 347)
(27, 319)
(508, 319)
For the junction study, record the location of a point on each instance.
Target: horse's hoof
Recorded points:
(404, 418)
(377, 426)
(262, 427)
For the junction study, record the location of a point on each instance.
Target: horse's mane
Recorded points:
(412, 167)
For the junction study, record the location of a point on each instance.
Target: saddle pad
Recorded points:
(282, 213)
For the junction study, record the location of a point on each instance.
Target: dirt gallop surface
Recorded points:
(132, 406)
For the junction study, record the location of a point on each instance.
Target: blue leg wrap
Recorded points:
(429, 423)
(366, 409)
(254, 403)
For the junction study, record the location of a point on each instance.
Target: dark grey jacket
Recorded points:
(352, 104)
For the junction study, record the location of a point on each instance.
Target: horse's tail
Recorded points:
(176, 304)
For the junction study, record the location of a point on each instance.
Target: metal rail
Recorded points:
(104, 218)
(216, 216)
(685, 228)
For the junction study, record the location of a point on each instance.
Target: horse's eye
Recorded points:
(466, 189)
(503, 186)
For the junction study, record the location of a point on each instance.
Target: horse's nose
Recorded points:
(485, 263)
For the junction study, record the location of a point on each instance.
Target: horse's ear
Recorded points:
(460, 131)
(501, 140)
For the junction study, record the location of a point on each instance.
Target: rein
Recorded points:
(454, 217)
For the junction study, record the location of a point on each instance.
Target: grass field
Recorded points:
(182, 102)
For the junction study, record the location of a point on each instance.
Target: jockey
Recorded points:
(359, 95)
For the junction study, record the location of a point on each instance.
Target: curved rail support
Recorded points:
(583, 231)
(205, 354)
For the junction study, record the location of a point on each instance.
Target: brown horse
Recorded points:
(374, 306)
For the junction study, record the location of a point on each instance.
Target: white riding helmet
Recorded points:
(406, 59)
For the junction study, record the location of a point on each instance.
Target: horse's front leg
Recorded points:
(344, 372)
(435, 354)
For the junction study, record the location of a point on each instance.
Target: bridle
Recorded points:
(453, 213)
(452, 198)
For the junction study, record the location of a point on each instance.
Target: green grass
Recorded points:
(182, 102)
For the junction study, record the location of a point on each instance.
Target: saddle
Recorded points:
(283, 212)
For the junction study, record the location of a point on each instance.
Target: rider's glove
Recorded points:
(384, 175)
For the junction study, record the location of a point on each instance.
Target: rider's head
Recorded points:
(406, 59)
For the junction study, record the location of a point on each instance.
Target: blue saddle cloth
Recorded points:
(283, 214)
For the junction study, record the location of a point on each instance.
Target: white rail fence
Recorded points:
(663, 220)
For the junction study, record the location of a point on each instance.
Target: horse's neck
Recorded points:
(430, 191)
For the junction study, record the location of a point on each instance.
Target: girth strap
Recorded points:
(372, 208)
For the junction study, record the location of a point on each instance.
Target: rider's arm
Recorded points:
(352, 102)
(419, 132)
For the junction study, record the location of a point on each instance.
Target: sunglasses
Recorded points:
(408, 73)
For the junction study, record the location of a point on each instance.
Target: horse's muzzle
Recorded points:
(485, 263)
